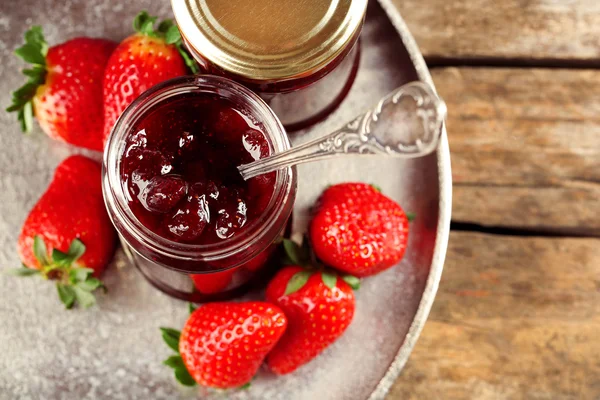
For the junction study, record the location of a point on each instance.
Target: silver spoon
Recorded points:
(404, 124)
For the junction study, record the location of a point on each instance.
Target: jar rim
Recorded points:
(114, 193)
(244, 38)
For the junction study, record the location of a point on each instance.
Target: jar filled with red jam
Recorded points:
(187, 219)
(301, 57)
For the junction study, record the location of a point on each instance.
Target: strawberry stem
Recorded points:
(144, 23)
(34, 52)
(352, 281)
(303, 256)
(74, 283)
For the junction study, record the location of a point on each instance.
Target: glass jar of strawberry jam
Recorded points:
(301, 57)
(186, 218)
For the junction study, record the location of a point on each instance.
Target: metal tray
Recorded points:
(114, 351)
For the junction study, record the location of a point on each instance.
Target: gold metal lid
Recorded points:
(269, 39)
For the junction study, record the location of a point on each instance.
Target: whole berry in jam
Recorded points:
(190, 219)
(163, 193)
(232, 213)
(255, 144)
(179, 167)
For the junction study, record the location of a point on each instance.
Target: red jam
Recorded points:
(179, 169)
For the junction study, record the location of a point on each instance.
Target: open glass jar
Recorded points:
(301, 57)
(194, 229)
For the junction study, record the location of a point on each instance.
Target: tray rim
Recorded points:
(444, 217)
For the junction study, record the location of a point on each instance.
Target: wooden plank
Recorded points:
(515, 318)
(514, 29)
(525, 146)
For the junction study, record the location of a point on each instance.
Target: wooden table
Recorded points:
(518, 310)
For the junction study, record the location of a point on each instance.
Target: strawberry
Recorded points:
(64, 90)
(214, 282)
(260, 260)
(358, 230)
(319, 306)
(222, 345)
(141, 61)
(68, 236)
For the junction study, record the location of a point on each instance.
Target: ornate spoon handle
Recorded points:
(405, 124)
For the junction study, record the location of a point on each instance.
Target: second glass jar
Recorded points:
(300, 57)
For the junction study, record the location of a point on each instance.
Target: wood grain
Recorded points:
(525, 147)
(507, 29)
(515, 318)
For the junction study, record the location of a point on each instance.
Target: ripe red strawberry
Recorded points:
(141, 61)
(68, 235)
(222, 345)
(214, 282)
(358, 230)
(319, 306)
(64, 90)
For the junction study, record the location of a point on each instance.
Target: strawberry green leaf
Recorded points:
(24, 94)
(36, 75)
(351, 280)
(292, 251)
(411, 216)
(76, 250)
(139, 20)
(66, 294)
(80, 274)
(89, 285)
(172, 34)
(329, 279)
(13, 108)
(164, 27)
(377, 188)
(31, 53)
(147, 27)
(35, 36)
(183, 376)
(24, 271)
(83, 297)
(285, 260)
(181, 373)
(174, 362)
(297, 281)
(171, 338)
(25, 117)
(39, 250)
(192, 307)
(189, 61)
(245, 386)
(60, 258)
